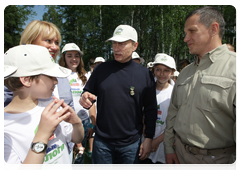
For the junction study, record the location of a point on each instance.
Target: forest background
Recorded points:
(159, 27)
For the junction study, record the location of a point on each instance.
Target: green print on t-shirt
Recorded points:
(71, 81)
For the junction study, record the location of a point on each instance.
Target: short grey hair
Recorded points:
(209, 15)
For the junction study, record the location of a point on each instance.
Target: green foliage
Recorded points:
(159, 27)
(14, 19)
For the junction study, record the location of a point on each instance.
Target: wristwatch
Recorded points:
(38, 147)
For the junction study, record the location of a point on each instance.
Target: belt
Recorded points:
(214, 152)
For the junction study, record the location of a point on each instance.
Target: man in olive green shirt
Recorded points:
(201, 118)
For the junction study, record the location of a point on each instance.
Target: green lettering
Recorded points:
(36, 130)
(55, 153)
(46, 158)
(58, 149)
(50, 156)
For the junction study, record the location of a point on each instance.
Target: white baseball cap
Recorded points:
(150, 64)
(32, 60)
(166, 60)
(176, 73)
(71, 47)
(99, 59)
(9, 70)
(136, 56)
(123, 33)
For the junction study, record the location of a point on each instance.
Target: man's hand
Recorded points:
(86, 99)
(171, 158)
(145, 148)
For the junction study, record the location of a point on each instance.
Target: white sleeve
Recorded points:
(68, 128)
(10, 156)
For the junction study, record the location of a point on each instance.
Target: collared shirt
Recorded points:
(202, 110)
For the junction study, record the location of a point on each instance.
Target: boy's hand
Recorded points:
(78, 129)
(50, 119)
(73, 117)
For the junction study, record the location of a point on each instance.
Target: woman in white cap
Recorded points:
(71, 58)
(164, 67)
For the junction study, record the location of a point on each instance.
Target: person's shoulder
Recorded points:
(104, 65)
(62, 80)
(187, 68)
(232, 54)
(140, 67)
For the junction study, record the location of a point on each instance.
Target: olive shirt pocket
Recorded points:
(213, 93)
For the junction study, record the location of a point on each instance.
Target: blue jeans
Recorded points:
(104, 153)
(80, 157)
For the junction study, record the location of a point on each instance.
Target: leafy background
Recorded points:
(159, 27)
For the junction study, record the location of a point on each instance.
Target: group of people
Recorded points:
(134, 115)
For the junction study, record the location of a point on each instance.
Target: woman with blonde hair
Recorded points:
(42, 33)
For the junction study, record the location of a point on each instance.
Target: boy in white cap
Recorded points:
(119, 84)
(164, 67)
(137, 58)
(35, 132)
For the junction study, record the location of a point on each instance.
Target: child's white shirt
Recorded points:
(77, 89)
(163, 100)
(20, 129)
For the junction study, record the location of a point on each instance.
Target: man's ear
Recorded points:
(135, 45)
(26, 81)
(214, 29)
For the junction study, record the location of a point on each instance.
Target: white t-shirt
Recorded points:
(77, 89)
(20, 129)
(163, 101)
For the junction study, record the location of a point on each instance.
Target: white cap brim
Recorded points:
(58, 71)
(81, 53)
(118, 39)
(9, 70)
